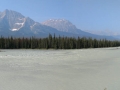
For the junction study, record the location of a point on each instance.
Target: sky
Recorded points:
(93, 15)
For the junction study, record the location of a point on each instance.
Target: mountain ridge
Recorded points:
(60, 24)
(13, 23)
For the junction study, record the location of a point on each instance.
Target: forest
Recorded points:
(53, 42)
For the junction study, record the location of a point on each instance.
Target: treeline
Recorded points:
(53, 42)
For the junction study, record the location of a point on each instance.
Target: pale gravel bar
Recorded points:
(82, 69)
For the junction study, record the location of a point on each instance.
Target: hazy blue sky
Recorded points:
(85, 14)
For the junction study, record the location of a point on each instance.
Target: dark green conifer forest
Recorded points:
(53, 42)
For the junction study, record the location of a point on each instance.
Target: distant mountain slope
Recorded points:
(105, 33)
(14, 24)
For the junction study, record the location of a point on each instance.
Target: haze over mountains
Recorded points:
(14, 24)
(104, 32)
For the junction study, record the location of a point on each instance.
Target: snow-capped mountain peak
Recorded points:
(13, 19)
(60, 24)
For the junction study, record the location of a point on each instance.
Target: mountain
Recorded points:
(66, 26)
(14, 24)
(61, 25)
